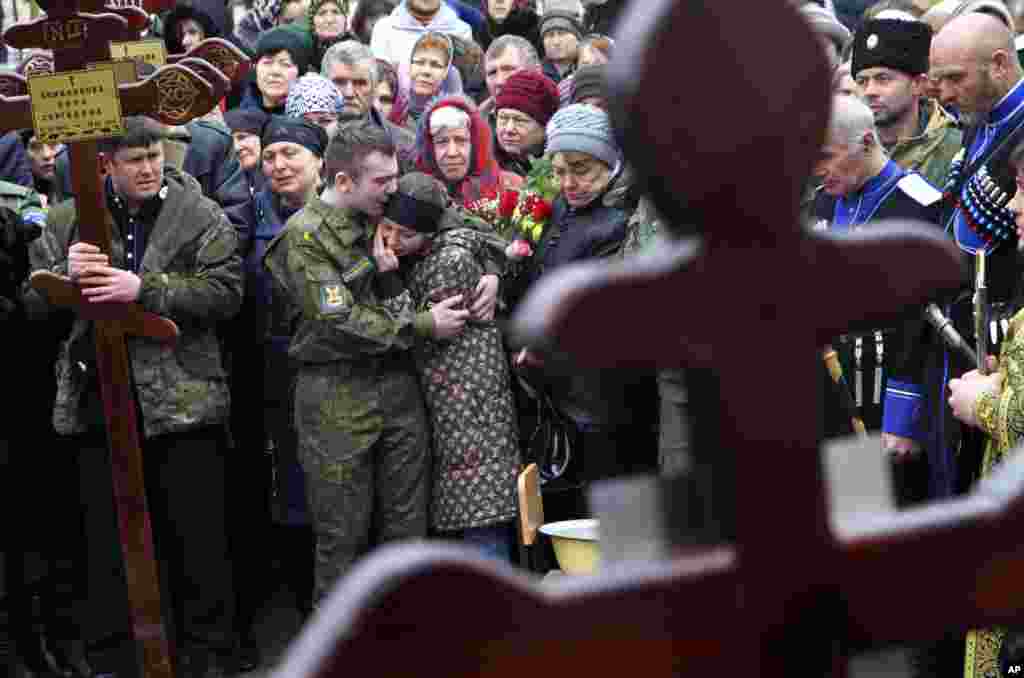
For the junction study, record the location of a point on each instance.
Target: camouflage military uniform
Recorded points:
(932, 151)
(359, 413)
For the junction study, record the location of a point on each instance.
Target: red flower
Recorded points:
(541, 211)
(489, 193)
(509, 200)
(518, 249)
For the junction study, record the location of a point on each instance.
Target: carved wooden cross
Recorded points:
(173, 95)
(789, 590)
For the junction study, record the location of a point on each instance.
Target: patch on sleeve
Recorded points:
(358, 270)
(332, 297)
(918, 188)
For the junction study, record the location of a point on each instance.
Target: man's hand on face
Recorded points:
(449, 321)
(382, 254)
(485, 298)
(105, 284)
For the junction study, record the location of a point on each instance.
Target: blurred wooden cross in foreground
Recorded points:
(746, 306)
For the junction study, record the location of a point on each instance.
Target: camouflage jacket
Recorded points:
(931, 152)
(191, 273)
(340, 308)
(22, 200)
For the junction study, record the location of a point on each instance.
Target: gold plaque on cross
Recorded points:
(151, 51)
(76, 105)
(125, 70)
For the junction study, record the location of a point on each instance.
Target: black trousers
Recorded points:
(185, 482)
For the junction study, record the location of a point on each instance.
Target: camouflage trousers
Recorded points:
(364, 447)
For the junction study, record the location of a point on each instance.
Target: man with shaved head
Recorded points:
(974, 64)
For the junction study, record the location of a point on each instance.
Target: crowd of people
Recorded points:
(340, 243)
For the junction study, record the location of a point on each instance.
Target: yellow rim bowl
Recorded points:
(576, 545)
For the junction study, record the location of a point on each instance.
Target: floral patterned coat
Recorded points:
(467, 386)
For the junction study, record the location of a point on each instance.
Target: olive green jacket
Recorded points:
(340, 307)
(931, 152)
(191, 273)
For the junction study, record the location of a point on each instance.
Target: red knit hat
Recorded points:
(531, 92)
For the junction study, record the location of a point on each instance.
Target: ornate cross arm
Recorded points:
(969, 549)
(64, 7)
(171, 95)
(224, 56)
(219, 82)
(638, 623)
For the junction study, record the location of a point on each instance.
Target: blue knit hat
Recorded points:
(583, 128)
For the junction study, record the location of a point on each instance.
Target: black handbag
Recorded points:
(553, 440)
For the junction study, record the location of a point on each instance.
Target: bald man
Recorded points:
(975, 67)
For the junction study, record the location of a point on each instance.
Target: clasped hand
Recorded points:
(100, 282)
(965, 391)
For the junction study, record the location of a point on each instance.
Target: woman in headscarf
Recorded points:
(328, 25)
(454, 145)
(292, 160)
(246, 127)
(465, 380)
(385, 96)
(430, 73)
(315, 99)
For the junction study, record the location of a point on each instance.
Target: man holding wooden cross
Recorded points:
(176, 255)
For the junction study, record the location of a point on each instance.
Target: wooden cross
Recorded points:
(217, 61)
(788, 589)
(173, 95)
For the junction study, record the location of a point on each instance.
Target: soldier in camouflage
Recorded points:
(175, 254)
(359, 413)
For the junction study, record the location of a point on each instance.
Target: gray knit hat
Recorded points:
(565, 21)
(582, 128)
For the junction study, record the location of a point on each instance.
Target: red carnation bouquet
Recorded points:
(520, 216)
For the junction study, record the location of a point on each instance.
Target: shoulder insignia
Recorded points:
(331, 297)
(918, 188)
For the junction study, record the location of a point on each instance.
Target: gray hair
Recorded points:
(350, 53)
(526, 49)
(851, 119)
